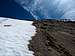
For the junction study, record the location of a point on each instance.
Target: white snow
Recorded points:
(14, 37)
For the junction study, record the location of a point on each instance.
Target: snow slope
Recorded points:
(14, 37)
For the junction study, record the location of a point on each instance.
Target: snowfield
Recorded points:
(14, 37)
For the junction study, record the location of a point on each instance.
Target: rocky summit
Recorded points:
(53, 38)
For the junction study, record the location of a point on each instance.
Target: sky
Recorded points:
(9, 8)
(38, 9)
(50, 9)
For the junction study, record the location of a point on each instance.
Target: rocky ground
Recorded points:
(53, 38)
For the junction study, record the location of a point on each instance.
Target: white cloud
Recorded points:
(48, 8)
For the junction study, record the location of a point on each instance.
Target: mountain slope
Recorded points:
(14, 37)
(53, 38)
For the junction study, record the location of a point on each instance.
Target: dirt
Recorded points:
(53, 38)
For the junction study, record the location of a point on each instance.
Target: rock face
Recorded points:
(53, 38)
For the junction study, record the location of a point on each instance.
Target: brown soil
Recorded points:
(53, 38)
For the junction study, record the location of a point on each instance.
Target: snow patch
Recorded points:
(14, 37)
